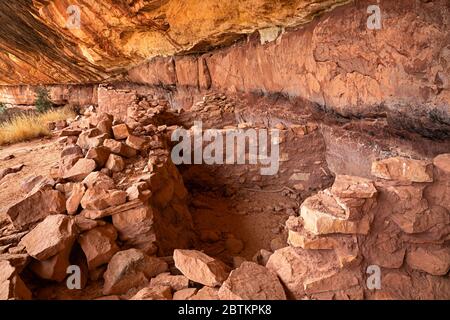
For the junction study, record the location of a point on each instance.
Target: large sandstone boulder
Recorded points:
(322, 214)
(81, 169)
(121, 131)
(115, 163)
(135, 227)
(435, 261)
(103, 122)
(99, 180)
(84, 224)
(97, 119)
(50, 237)
(403, 169)
(200, 267)
(295, 267)
(136, 142)
(120, 148)
(353, 187)
(37, 206)
(175, 282)
(71, 151)
(129, 269)
(99, 245)
(252, 282)
(99, 155)
(154, 293)
(68, 158)
(99, 199)
(54, 268)
(36, 182)
(111, 211)
(91, 138)
(74, 200)
(11, 285)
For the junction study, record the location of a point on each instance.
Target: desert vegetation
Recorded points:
(31, 125)
(2, 108)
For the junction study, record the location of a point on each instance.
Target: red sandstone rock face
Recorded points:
(59, 94)
(334, 64)
(343, 67)
(408, 231)
(113, 36)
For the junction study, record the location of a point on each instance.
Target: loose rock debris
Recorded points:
(116, 206)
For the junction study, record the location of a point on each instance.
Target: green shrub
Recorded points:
(42, 101)
(2, 107)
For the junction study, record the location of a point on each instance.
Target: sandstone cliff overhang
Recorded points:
(40, 43)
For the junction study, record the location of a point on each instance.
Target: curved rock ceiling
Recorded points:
(36, 47)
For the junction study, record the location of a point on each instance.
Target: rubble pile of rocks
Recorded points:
(214, 101)
(399, 223)
(116, 207)
(86, 212)
(300, 145)
(145, 113)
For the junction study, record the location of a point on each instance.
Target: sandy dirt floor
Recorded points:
(37, 156)
(254, 218)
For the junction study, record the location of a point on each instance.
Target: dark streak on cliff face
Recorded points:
(32, 52)
(37, 48)
(400, 72)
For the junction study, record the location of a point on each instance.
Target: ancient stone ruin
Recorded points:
(357, 122)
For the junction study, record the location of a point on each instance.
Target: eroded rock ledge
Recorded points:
(116, 206)
(399, 72)
(36, 47)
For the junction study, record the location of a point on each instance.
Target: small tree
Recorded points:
(42, 101)
(2, 107)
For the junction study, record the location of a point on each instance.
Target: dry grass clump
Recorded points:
(30, 126)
